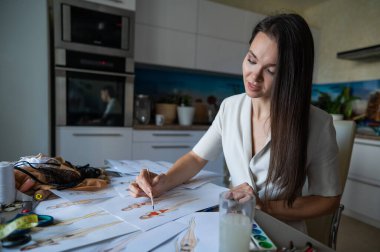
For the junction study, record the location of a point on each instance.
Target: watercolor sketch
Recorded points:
(73, 229)
(175, 204)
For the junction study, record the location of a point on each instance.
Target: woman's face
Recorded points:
(259, 66)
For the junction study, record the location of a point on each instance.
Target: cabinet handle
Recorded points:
(171, 146)
(97, 134)
(171, 134)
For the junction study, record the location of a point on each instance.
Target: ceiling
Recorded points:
(270, 7)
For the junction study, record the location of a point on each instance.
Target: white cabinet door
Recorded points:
(361, 194)
(169, 152)
(165, 145)
(221, 21)
(220, 55)
(155, 45)
(225, 22)
(92, 145)
(179, 15)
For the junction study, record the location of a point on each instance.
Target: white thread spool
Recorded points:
(7, 183)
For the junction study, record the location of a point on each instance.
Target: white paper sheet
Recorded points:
(52, 206)
(85, 195)
(145, 241)
(206, 232)
(170, 206)
(133, 167)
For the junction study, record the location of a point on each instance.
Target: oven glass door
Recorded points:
(94, 99)
(98, 28)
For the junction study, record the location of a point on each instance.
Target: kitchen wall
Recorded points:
(345, 25)
(24, 78)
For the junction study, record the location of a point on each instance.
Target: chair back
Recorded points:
(320, 228)
(345, 134)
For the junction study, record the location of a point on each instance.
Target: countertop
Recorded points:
(171, 127)
(369, 137)
(205, 127)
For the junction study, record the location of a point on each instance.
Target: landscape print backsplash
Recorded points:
(160, 82)
(368, 102)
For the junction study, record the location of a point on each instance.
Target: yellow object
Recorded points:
(23, 222)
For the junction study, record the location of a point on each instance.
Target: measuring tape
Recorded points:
(23, 222)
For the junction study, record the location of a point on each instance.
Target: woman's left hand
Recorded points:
(244, 192)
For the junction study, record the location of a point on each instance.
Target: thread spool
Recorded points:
(7, 183)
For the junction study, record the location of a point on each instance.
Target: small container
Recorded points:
(142, 109)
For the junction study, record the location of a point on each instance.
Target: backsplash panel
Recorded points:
(158, 82)
(361, 89)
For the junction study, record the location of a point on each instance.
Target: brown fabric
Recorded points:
(63, 174)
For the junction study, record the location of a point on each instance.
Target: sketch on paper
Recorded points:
(204, 236)
(144, 241)
(55, 240)
(162, 211)
(71, 203)
(73, 229)
(72, 195)
(148, 202)
(175, 204)
(133, 167)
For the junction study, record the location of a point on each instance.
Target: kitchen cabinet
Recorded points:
(156, 45)
(225, 22)
(361, 194)
(169, 145)
(179, 15)
(218, 55)
(165, 32)
(194, 34)
(92, 145)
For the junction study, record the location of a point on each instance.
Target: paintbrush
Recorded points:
(151, 194)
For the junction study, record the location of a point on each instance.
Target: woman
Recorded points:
(272, 138)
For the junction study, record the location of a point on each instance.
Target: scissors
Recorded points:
(22, 236)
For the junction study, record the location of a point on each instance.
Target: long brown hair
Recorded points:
(290, 102)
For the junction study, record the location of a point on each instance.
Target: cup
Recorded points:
(235, 223)
(160, 119)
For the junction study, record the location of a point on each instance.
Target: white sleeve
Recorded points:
(210, 145)
(323, 171)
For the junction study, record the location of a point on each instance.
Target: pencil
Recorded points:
(151, 194)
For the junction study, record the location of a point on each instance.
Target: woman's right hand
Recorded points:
(148, 184)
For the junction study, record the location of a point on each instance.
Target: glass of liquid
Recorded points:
(235, 223)
(142, 109)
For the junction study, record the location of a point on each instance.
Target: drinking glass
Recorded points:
(235, 223)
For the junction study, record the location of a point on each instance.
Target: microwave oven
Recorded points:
(93, 28)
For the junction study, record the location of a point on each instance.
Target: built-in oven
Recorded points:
(90, 27)
(92, 90)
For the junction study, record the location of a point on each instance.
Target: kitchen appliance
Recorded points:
(93, 64)
(142, 109)
(90, 27)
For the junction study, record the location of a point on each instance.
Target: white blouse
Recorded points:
(230, 132)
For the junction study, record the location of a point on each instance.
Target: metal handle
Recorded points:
(171, 134)
(97, 134)
(93, 71)
(171, 146)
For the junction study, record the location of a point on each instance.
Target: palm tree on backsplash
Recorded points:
(342, 104)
